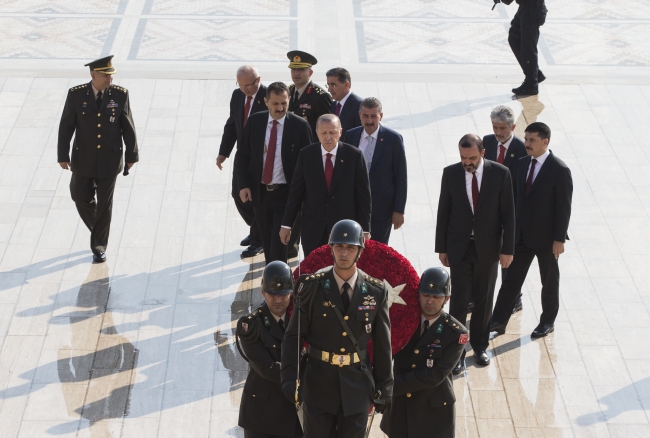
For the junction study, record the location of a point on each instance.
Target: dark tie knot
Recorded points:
(345, 296)
(281, 324)
(275, 123)
(534, 161)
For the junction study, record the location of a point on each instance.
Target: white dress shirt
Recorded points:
(283, 318)
(342, 101)
(278, 172)
(505, 145)
(352, 282)
(468, 183)
(333, 152)
(365, 141)
(431, 322)
(95, 91)
(540, 162)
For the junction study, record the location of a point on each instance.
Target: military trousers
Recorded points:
(94, 201)
(524, 36)
(322, 424)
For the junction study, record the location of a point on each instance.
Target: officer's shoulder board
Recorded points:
(318, 89)
(118, 88)
(455, 325)
(307, 278)
(78, 87)
(374, 281)
(248, 327)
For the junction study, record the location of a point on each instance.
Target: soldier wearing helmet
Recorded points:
(264, 411)
(341, 309)
(423, 393)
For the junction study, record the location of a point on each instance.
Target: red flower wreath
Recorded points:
(384, 263)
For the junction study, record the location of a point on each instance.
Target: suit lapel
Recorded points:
(462, 185)
(486, 181)
(274, 328)
(333, 291)
(433, 332)
(546, 168)
(302, 99)
(342, 160)
(380, 147)
(522, 174)
(346, 107)
(258, 102)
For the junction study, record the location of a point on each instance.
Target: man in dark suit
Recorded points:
(340, 311)
(264, 411)
(505, 148)
(246, 100)
(544, 190)
(383, 150)
(346, 104)
(423, 392)
(265, 164)
(332, 181)
(475, 232)
(98, 114)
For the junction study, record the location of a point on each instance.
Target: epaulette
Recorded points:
(311, 277)
(123, 90)
(78, 87)
(249, 327)
(373, 280)
(454, 324)
(318, 89)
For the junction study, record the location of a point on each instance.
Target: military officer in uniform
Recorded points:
(423, 393)
(99, 116)
(341, 309)
(265, 412)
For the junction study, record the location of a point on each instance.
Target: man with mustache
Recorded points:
(265, 163)
(475, 232)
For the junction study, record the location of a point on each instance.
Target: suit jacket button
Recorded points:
(408, 394)
(324, 315)
(346, 317)
(345, 334)
(253, 395)
(99, 114)
(99, 125)
(273, 346)
(342, 350)
(413, 366)
(445, 404)
(98, 146)
(99, 136)
(416, 351)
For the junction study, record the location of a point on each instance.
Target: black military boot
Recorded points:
(540, 77)
(526, 89)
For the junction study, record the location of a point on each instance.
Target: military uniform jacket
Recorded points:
(104, 135)
(313, 103)
(424, 388)
(264, 408)
(324, 385)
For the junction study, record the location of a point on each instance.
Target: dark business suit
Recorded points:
(104, 136)
(423, 392)
(327, 389)
(348, 197)
(264, 411)
(474, 261)
(349, 114)
(233, 132)
(515, 151)
(388, 178)
(249, 164)
(542, 218)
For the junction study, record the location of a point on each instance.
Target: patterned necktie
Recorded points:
(502, 154)
(345, 296)
(281, 324)
(474, 191)
(329, 170)
(529, 181)
(369, 151)
(99, 99)
(247, 108)
(338, 109)
(267, 175)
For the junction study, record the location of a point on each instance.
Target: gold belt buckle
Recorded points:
(340, 359)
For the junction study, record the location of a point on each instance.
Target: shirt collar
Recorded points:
(333, 152)
(302, 89)
(278, 318)
(431, 321)
(374, 134)
(342, 101)
(479, 170)
(507, 144)
(281, 121)
(339, 281)
(543, 157)
(95, 90)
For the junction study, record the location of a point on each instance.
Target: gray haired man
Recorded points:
(505, 148)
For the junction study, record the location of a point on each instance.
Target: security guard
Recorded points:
(264, 410)
(341, 309)
(423, 404)
(308, 100)
(523, 37)
(98, 114)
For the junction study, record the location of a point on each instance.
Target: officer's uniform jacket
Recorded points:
(104, 135)
(313, 103)
(264, 408)
(328, 386)
(423, 394)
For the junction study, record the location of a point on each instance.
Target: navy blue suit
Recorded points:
(388, 181)
(349, 113)
(515, 151)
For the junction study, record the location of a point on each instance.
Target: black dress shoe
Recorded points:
(518, 306)
(459, 367)
(99, 257)
(292, 254)
(498, 327)
(246, 241)
(482, 357)
(526, 90)
(252, 251)
(540, 77)
(542, 330)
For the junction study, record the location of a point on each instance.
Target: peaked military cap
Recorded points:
(103, 65)
(298, 59)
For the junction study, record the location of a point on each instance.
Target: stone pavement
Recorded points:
(142, 346)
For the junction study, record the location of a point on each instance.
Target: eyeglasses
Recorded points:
(249, 85)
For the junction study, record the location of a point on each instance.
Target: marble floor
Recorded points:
(142, 346)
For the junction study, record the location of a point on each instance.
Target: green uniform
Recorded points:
(313, 103)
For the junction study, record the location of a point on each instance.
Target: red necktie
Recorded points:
(502, 154)
(529, 181)
(474, 191)
(247, 108)
(329, 170)
(267, 175)
(338, 109)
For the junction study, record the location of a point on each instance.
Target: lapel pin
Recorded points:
(512, 155)
(381, 139)
(341, 161)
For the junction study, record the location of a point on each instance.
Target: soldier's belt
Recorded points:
(336, 359)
